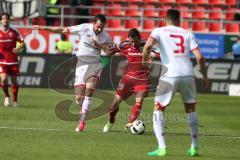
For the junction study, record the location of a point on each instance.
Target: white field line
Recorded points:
(61, 130)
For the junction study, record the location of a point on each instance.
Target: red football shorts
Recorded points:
(12, 70)
(127, 86)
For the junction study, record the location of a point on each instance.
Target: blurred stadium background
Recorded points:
(214, 22)
(39, 133)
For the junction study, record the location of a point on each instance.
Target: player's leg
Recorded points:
(79, 93)
(122, 93)
(14, 72)
(113, 109)
(164, 94)
(87, 102)
(136, 108)
(4, 84)
(141, 88)
(15, 90)
(188, 93)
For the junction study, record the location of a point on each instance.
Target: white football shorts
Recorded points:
(84, 71)
(168, 86)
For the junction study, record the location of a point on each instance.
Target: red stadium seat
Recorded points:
(232, 27)
(215, 2)
(148, 24)
(163, 11)
(185, 24)
(131, 23)
(231, 2)
(132, 10)
(184, 11)
(114, 23)
(229, 13)
(114, 10)
(200, 2)
(199, 26)
(150, 1)
(149, 11)
(198, 12)
(132, 1)
(166, 1)
(182, 1)
(40, 21)
(215, 27)
(161, 23)
(215, 13)
(97, 9)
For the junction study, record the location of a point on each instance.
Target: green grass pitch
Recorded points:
(33, 131)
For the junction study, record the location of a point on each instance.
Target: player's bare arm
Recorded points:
(147, 49)
(108, 48)
(51, 29)
(201, 62)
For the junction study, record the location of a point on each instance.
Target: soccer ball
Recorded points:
(138, 127)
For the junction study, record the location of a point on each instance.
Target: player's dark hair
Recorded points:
(100, 17)
(63, 37)
(134, 33)
(173, 15)
(5, 14)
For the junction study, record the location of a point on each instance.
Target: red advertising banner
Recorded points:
(45, 42)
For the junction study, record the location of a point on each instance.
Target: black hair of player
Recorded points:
(173, 15)
(134, 33)
(5, 14)
(100, 17)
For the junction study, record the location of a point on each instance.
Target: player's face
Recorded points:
(98, 27)
(5, 21)
(135, 41)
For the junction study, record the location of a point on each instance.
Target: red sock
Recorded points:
(136, 109)
(113, 114)
(15, 92)
(5, 90)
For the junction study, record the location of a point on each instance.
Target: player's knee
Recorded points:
(89, 92)
(159, 107)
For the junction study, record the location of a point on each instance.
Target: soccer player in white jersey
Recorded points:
(88, 69)
(175, 45)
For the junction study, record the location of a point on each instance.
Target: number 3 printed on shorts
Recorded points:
(180, 44)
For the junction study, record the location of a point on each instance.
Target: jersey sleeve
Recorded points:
(75, 29)
(193, 42)
(154, 34)
(19, 37)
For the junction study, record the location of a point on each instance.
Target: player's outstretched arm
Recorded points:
(201, 62)
(147, 50)
(109, 48)
(51, 29)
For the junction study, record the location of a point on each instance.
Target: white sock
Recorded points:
(192, 120)
(85, 107)
(158, 127)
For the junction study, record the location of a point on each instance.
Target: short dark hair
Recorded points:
(173, 15)
(101, 18)
(63, 37)
(134, 33)
(5, 14)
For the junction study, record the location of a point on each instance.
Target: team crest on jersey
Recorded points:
(10, 34)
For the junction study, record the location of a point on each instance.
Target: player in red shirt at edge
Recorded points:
(134, 80)
(8, 58)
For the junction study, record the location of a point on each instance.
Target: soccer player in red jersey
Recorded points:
(8, 58)
(134, 80)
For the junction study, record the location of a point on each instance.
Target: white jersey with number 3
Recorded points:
(175, 45)
(86, 36)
